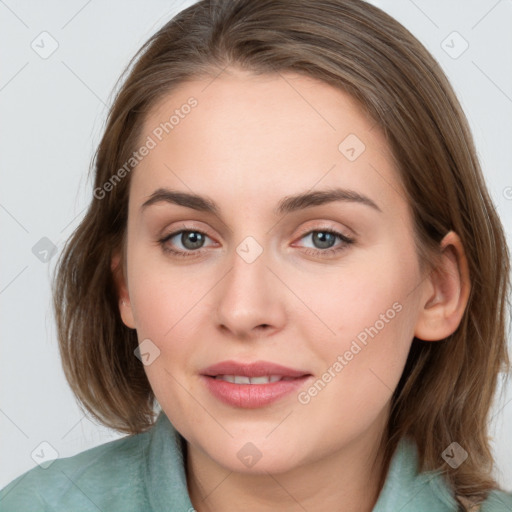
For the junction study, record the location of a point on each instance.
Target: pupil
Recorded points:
(193, 237)
(322, 236)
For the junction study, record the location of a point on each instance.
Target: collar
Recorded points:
(165, 468)
(404, 489)
(407, 490)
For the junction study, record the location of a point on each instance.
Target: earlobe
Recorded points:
(447, 293)
(125, 308)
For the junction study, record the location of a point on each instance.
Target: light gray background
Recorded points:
(52, 114)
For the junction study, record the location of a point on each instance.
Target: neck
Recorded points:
(348, 479)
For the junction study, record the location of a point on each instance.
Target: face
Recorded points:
(328, 288)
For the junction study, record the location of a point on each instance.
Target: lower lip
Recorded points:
(251, 396)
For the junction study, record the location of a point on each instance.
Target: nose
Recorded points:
(250, 299)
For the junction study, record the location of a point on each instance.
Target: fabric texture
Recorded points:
(145, 473)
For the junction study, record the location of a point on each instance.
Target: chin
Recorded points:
(255, 457)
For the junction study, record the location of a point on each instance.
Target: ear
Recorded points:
(125, 307)
(446, 294)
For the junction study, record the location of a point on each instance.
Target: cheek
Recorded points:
(358, 378)
(344, 303)
(373, 317)
(163, 295)
(169, 307)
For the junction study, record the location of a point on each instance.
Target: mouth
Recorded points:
(252, 371)
(241, 379)
(252, 385)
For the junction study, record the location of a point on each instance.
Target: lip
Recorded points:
(252, 396)
(256, 369)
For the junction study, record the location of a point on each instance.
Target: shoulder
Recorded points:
(498, 500)
(408, 490)
(98, 478)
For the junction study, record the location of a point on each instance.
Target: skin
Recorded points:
(251, 141)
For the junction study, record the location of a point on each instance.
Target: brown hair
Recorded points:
(447, 388)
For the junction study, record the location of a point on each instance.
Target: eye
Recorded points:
(191, 240)
(325, 238)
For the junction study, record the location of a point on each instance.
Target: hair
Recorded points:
(447, 388)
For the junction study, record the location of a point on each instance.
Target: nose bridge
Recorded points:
(248, 297)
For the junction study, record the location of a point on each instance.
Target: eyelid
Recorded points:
(326, 226)
(303, 232)
(183, 226)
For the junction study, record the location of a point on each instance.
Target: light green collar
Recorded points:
(404, 489)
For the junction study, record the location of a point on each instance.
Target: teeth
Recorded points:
(239, 379)
(261, 380)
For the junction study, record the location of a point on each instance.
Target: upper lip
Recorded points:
(255, 369)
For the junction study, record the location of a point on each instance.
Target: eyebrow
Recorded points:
(287, 205)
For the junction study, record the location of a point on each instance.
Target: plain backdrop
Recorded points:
(58, 65)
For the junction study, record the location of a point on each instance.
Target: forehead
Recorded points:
(260, 137)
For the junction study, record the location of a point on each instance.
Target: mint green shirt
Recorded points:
(145, 472)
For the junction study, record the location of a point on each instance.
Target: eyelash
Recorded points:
(312, 252)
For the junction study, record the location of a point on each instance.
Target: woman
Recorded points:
(290, 285)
